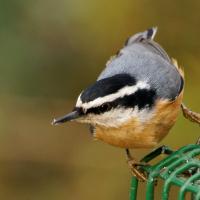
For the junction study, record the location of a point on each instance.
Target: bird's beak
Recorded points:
(69, 117)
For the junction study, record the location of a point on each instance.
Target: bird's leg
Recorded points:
(133, 164)
(188, 114)
(198, 141)
(192, 116)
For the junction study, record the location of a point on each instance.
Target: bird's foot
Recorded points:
(198, 141)
(188, 114)
(135, 171)
(134, 167)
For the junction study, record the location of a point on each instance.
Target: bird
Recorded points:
(136, 99)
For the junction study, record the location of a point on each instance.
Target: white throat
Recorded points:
(118, 116)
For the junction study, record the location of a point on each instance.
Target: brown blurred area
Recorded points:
(51, 50)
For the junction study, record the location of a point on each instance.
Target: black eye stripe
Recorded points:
(142, 98)
(100, 109)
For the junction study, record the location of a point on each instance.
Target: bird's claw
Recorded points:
(133, 165)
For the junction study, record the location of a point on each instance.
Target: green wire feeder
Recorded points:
(180, 168)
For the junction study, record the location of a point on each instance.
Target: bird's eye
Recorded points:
(105, 107)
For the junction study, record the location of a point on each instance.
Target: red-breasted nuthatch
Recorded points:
(136, 99)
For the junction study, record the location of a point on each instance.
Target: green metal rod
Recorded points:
(183, 189)
(161, 150)
(150, 188)
(169, 180)
(177, 162)
(134, 188)
(191, 188)
(197, 197)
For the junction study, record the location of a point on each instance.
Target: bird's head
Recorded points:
(112, 101)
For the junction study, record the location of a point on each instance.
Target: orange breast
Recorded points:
(136, 134)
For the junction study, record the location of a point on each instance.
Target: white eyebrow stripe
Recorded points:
(127, 90)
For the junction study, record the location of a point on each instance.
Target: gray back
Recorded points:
(146, 61)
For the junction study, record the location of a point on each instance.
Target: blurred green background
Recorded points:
(49, 51)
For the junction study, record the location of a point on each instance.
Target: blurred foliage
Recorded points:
(49, 51)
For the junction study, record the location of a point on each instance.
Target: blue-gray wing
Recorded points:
(146, 60)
